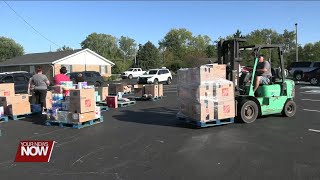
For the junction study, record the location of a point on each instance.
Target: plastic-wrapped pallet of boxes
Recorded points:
(76, 105)
(205, 94)
(13, 104)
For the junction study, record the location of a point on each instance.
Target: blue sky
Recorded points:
(68, 23)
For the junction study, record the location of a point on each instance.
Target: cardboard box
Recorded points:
(115, 88)
(112, 101)
(20, 108)
(77, 93)
(103, 92)
(82, 101)
(219, 70)
(7, 89)
(160, 90)
(138, 86)
(138, 92)
(82, 105)
(48, 103)
(223, 90)
(224, 109)
(76, 117)
(7, 100)
(201, 74)
(201, 111)
(151, 89)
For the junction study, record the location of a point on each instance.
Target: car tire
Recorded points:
(248, 111)
(169, 81)
(289, 109)
(130, 76)
(97, 84)
(156, 81)
(314, 81)
(297, 76)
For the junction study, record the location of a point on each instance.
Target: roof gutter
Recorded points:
(28, 64)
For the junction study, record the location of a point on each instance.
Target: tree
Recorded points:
(200, 43)
(267, 36)
(65, 48)
(177, 41)
(148, 56)
(128, 47)
(104, 44)
(9, 49)
(211, 51)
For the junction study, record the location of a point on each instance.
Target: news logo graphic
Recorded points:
(34, 151)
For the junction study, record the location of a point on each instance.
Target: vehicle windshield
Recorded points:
(153, 72)
(131, 69)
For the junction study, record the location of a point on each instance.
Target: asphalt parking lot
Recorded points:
(146, 141)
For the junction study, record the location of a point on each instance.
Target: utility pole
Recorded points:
(296, 42)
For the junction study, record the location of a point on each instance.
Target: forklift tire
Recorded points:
(289, 109)
(248, 111)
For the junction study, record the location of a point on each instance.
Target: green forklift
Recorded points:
(269, 99)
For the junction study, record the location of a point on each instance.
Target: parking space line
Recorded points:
(311, 110)
(314, 130)
(310, 100)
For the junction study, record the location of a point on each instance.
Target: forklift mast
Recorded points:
(229, 54)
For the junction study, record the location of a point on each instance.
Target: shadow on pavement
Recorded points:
(154, 116)
(38, 119)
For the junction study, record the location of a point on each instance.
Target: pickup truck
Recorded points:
(132, 73)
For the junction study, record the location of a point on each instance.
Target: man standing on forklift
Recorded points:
(263, 73)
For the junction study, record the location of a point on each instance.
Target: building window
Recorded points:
(32, 69)
(103, 69)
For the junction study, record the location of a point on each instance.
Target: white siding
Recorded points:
(83, 58)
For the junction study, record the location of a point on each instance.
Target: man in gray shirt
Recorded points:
(40, 83)
(263, 73)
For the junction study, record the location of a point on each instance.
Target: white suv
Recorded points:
(154, 76)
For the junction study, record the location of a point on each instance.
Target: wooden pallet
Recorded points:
(74, 125)
(209, 123)
(146, 98)
(124, 93)
(4, 119)
(126, 104)
(18, 117)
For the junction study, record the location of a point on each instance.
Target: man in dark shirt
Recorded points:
(263, 73)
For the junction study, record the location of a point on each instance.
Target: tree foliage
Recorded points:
(148, 56)
(9, 49)
(128, 47)
(65, 48)
(104, 44)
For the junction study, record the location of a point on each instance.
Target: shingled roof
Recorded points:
(38, 58)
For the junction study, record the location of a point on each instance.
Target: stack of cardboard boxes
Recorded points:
(149, 90)
(205, 94)
(115, 88)
(102, 93)
(13, 104)
(79, 105)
